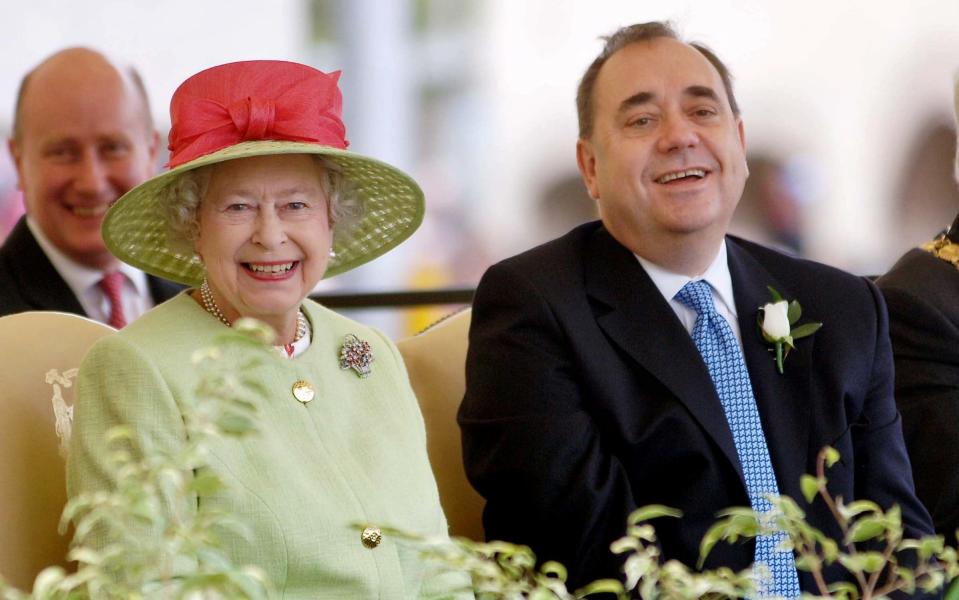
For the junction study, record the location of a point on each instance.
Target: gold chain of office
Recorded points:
(943, 248)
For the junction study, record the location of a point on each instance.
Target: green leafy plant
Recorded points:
(153, 540)
(501, 570)
(873, 550)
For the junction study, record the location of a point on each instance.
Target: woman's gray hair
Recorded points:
(183, 195)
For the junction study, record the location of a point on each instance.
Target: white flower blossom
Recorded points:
(776, 320)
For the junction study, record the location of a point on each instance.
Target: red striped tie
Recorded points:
(111, 284)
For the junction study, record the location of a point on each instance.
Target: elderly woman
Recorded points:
(261, 201)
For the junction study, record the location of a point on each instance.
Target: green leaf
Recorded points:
(808, 562)
(601, 586)
(844, 589)
(776, 296)
(866, 528)
(809, 486)
(894, 516)
(653, 511)
(907, 578)
(737, 511)
(930, 545)
(857, 507)
(793, 312)
(830, 550)
(831, 456)
(623, 545)
(551, 568)
(852, 562)
(932, 581)
(710, 539)
(206, 484)
(953, 592)
(865, 562)
(805, 330)
(643, 531)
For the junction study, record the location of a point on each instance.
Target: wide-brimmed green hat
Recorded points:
(257, 108)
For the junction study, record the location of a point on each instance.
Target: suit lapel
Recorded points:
(636, 317)
(39, 283)
(783, 400)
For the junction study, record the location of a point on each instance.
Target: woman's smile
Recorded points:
(271, 271)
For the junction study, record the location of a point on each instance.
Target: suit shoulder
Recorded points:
(177, 322)
(922, 289)
(918, 269)
(801, 272)
(555, 260)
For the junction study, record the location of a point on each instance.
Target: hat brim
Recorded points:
(135, 228)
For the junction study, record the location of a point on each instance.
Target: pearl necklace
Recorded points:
(210, 305)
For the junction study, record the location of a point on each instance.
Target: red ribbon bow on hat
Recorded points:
(254, 100)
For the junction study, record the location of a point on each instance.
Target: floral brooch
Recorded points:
(356, 354)
(776, 321)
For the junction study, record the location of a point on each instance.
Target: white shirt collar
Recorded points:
(80, 277)
(716, 275)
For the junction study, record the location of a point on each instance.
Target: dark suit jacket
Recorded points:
(586, 399)
(29, 281)
(922, 292)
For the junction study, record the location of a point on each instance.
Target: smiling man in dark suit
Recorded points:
(82, 137)
(621, 365)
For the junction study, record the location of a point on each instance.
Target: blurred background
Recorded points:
(847, 108)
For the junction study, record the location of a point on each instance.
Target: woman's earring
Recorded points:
(332, 252)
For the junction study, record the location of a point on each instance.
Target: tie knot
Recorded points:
(112, 283)
(697, 296)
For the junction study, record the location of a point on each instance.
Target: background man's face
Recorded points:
(667, 156)
(84, 142)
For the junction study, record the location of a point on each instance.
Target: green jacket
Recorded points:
(356, 453)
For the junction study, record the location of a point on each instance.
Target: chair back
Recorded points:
(40, 353)
(436, 362)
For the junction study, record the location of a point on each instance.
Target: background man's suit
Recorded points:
(28, 280)
(922, 292)
(586, 399)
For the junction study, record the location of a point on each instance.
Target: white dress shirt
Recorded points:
(83, 281)
(720, 284)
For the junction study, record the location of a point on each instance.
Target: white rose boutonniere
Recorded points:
(776, 321)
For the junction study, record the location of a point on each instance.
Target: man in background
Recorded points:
(922, 292)
(82, 137)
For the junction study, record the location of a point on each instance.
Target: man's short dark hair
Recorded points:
(632, 34)
(130, 72)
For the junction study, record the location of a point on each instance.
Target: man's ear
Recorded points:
(17, 156)
(154, 146)
(742, 142)
(586, 161)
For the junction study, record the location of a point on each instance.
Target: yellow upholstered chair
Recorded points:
(39, 356)
(436, 362)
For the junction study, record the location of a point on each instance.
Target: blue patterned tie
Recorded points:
(717, 343)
